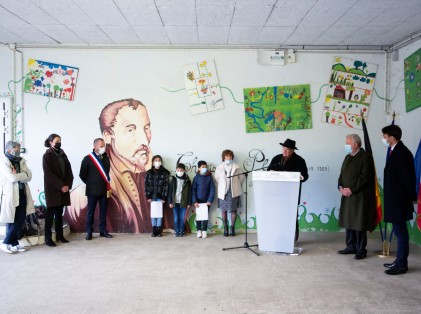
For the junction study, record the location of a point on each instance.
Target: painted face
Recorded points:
(131, 137)
(287, 152)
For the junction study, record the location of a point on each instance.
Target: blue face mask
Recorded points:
(348, 149)
(228, 162)
(203, 170)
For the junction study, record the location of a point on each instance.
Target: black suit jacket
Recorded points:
(90, 175)
(399, 185)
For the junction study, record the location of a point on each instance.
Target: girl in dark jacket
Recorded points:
(58, 180)
(203, 191)
(156, 189)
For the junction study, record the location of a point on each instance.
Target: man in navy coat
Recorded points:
(94, 172)
(399, 195)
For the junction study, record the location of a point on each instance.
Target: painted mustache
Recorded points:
(142, 150)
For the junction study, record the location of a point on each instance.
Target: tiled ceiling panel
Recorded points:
(209, 22)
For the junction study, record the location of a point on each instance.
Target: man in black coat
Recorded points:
(399, 195)
(94, 172)
(290, 161)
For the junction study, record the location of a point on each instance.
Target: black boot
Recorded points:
(232, 231)
(62, 239)
(50, 242)
(153, 232)
(159, 231)
(225, 230)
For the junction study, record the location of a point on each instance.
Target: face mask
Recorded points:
(15, 153)
(101, 150)
(385, 143)
(179, 173)
(157, 164)
(348, 149)
(228, 162)
(57, 145)
(203, 170)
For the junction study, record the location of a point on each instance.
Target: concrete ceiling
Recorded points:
(209, 22)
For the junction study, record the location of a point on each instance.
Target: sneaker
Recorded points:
(199, 233)
(18, 248)
(204, 234)
(6, 248)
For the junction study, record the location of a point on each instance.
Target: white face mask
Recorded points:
(179, 173)
(157, 164)
(203, 170)
(348, 149)
(101, 150)
(385, 143)
(228, 162)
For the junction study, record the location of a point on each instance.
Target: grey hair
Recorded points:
(355, 138)
(97, 140)
(11, 145)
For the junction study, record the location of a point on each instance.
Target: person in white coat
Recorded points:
(229, 182)
(15, 196)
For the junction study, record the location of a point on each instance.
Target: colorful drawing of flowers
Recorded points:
(203, 87)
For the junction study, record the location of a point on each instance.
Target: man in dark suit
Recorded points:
(290, 161)
(94, 172)
(399, 194)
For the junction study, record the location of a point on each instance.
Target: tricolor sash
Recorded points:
(98, 164)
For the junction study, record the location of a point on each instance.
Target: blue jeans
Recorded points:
(156, 222)
(14, 228)
(179, 213)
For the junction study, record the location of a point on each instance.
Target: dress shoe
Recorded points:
(88, 236)
(360, 256)
(105, 235)
(396, 270)
(389, 265)
(62, 240)
(50, 243)
(346, 251)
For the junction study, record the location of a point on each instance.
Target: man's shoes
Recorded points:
(204, 234)
(50, 243)
(62, 240)
(18, 248)
(346, 251)
(105, 235)
(389, 265)
(88, 236)
(396, 270)
(360, 256)
(7, 248)
(199, 233)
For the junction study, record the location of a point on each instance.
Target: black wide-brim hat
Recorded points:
(289, 144)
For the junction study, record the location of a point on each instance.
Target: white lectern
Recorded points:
(275, 201)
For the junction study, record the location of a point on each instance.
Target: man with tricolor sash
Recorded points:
(95, 173)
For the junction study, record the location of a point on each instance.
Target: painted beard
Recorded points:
(141, 159)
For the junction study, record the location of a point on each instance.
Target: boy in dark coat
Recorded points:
(203, 191)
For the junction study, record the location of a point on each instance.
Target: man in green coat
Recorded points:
(358, 203)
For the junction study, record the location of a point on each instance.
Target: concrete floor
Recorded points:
(140, 274)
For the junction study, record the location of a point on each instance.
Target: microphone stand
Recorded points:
(246, 245)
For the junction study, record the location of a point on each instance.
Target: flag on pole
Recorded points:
(368, 149)
(418, 174)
